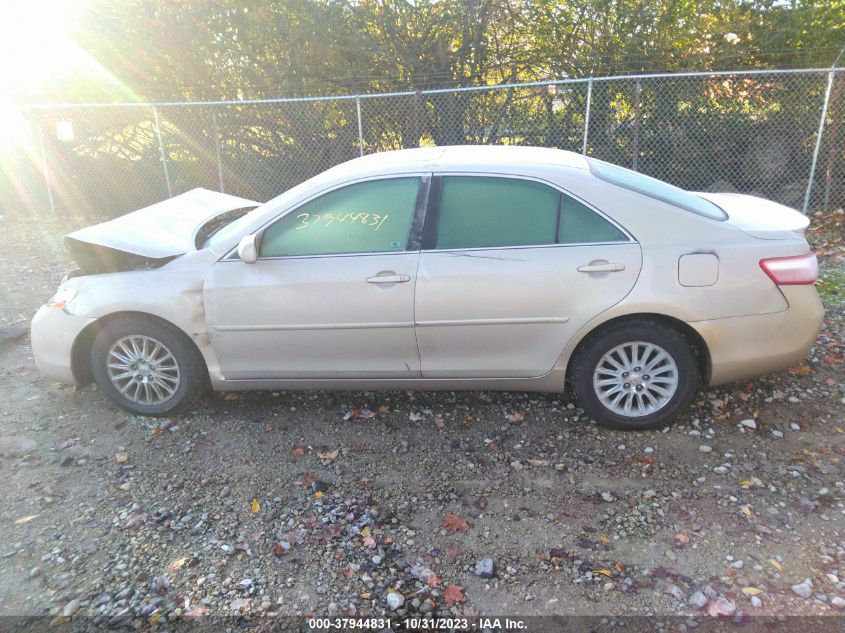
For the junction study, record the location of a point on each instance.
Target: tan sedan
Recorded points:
(511, 268)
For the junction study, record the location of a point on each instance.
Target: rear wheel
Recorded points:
(635, 375)
(147, 366)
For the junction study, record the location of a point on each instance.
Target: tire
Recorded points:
(604, 368)
(172, 380)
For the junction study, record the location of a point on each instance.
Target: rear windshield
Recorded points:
(654, 188)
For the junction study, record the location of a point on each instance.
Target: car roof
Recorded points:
(459, 158)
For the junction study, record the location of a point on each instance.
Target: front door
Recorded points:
(331, 295)
(510, 270)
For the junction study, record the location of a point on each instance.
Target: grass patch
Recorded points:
(831, 286)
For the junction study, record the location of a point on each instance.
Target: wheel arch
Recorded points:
(80, 358)
(696, 342)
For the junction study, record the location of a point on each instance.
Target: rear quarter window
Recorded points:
(654, 188)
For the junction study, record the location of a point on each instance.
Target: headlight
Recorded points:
(63, 297)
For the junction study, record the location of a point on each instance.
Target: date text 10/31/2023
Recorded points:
(419, 624)
(325, 220)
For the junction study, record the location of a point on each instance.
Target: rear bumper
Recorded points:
(747, 346)
(53, 333)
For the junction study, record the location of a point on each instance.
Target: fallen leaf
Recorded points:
(318, 495)
(306, 480)
(365, 531)
(681, 539)
(775, 564)
(121, 458)
(298, 450)
(330, 455)
(177, 564)
(455, 523)
(801, 369)
(604, 572)
(254, 506)
(751, 591)
(515, 417)
(453, 594)
(384, 408)
(25, 519)
(414, 416)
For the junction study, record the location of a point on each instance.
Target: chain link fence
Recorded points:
(778, 134)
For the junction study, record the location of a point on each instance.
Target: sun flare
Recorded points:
(36, 37)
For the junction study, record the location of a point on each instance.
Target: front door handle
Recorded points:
(388, 279)
(604, 267)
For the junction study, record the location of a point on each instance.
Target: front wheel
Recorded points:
(635, 375)
(147, 367)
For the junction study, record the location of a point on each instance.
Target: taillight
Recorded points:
(791, 271)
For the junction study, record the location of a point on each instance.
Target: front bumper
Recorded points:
(53, 333)
(748, 346)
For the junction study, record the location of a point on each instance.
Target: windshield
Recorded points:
(654, 188)
(221, 232)
(216, 224)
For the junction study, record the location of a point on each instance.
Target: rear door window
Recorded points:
(478, 212)
(490, 212)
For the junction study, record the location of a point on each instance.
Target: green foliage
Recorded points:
(216, 49)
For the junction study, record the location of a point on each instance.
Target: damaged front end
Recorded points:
(155, 235)
(95, 259)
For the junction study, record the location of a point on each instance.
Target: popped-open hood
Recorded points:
(153, 234)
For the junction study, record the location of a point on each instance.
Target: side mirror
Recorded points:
(248, 249)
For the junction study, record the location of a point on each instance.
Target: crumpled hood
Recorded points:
(164, 229)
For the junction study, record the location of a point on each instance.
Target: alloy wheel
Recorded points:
(143, 369)
(635, 379)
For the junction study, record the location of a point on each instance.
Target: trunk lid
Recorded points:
(759, 217)
(151, 236)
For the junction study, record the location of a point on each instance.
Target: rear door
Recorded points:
(511, 269)
(332, 293)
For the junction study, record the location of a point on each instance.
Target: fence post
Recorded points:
(163, 155)
(44, 168)
(217, 148)
(587, 115)
(636, 143)
(360, 129)
(830, 76)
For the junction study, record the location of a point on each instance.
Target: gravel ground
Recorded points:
(415, 503)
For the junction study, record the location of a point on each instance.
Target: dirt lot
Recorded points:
(370, 503)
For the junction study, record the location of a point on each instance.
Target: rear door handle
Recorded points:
(388, 279)
(606, 267)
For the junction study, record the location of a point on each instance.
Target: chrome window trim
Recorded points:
(524, 246)
(324, 255)
(542, 181)
(433, 174)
